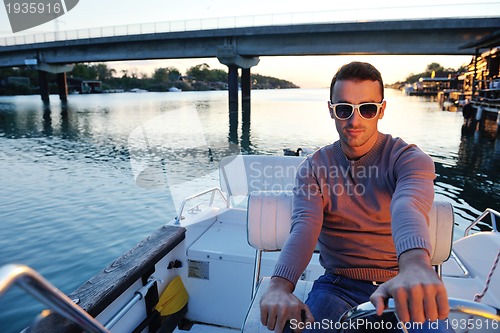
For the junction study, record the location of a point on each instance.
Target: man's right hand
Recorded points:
(279, 305)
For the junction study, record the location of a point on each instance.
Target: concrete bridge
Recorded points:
(241, 47)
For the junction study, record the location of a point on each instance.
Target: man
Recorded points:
(364, 200)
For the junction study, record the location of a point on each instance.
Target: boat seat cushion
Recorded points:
(242, 174)
(441, 224)
(252, 322)
(269, 220)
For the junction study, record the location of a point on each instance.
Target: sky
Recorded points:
(305, 71)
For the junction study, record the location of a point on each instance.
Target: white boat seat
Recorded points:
(269, 221)
(441, 224)
(268, 225)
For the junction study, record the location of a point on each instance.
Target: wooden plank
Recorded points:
(101, 290)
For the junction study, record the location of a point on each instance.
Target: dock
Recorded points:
(482, 113)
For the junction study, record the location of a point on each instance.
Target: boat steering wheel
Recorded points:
(465, 317)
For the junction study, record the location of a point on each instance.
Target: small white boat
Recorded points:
(174, 89)
(138, 90)
(199, 271)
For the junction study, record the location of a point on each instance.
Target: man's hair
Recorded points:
(357, 71)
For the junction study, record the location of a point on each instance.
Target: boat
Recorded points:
(138, 90)
(199, 273)
(482, 80)
(452, 99)
(430, 86)
(482, 83)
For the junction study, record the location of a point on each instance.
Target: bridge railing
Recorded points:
(464, 10)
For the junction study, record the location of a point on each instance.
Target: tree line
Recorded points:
(199, 77)
(432, 68)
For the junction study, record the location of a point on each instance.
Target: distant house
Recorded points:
(16, 80)
(83, 86)
(187, 79)
(218, 85)
(436, 83)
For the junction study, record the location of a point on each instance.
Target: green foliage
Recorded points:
(99, 72)
(15, 89)
(199, 72)
(202, 72)
(433, 67)
(165, 75)
(103, 72)
(218, 75)
(19, 72)
(84, 72)
(199, 77)
(269, 82)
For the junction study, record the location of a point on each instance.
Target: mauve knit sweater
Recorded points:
(346, 207)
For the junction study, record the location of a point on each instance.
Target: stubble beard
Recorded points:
(355, 142)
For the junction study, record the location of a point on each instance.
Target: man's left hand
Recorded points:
(418, 293)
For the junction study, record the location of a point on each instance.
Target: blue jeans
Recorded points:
(332, 295)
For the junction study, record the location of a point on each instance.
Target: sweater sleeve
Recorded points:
(412, 199)
(307, 219)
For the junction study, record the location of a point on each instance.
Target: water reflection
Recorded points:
(67, 131)
(41, 119)
(469, 175)
(47, 120)
(474, 180)
(246, 144)
(233, 123)
(244, 141)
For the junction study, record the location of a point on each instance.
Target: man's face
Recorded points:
(357, 132)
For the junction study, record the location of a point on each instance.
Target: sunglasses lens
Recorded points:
(368, 110)
(343, 111)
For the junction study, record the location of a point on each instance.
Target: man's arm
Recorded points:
(418, 292)
(279, 304)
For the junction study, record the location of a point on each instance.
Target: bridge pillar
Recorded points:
(246, 84)
(227, 55)
(60, 71)
(233, 84)
(245, 126)
(62, 86)
(233, 123)
(43, 83)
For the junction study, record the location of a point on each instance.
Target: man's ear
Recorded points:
(330, 109)
(382, 109)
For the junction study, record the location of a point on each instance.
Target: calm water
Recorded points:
(70, 202)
